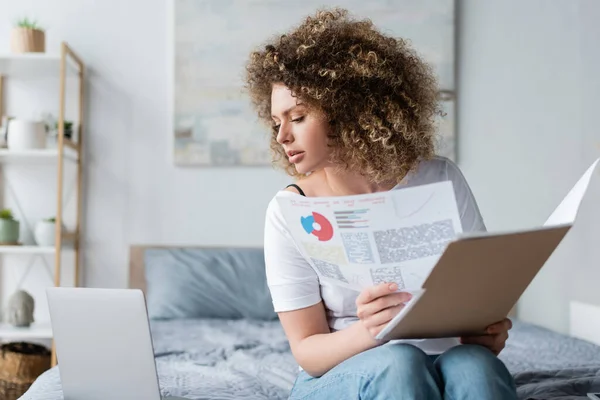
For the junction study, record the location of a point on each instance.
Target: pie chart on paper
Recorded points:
(325, 231)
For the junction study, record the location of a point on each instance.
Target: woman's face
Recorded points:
(301, 133)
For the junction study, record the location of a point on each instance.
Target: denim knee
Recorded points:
(406, 356)
(402, 368)
(399, 357)
(376, 374)
(474, 372)
(472, 359)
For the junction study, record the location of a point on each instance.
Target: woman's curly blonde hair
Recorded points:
(379, 96)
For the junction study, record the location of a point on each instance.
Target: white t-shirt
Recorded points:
(294, 284)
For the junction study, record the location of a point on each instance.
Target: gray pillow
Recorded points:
(207, 283)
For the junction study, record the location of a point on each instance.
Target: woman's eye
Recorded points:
(276, 128)
(299, 119)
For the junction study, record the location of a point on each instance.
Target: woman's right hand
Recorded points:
(377, 305)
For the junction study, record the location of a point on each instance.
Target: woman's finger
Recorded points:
(365, 311)
(374, 292)
(501, 342)
(501, 326)
(383, 316)
(374, 331)
(495, 343)
(495, 328)
(488, 341)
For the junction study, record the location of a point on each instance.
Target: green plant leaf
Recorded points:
(6, 213)
(27, 23)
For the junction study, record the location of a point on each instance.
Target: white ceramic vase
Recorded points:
(26, 135)
(45, 233)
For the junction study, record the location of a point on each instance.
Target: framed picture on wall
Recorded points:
(212, 120)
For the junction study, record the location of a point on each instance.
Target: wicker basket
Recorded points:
(20, 364)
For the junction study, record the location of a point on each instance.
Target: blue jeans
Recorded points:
(403, 371)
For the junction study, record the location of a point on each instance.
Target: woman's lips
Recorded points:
(296, 158)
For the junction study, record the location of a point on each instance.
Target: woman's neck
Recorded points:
(346, 183)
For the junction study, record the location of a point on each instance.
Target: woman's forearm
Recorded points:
(319, 353)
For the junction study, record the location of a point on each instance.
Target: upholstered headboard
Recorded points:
(201, 281)
(137, 275)
(137, 268)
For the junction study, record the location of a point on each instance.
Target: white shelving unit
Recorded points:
(37, 64)
(68, 238)
(35, 331)
(65, 65)
(41, 156)
(27, 250)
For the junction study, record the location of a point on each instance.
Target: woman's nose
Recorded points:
(284, 136)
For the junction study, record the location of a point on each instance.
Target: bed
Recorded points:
(216, 337)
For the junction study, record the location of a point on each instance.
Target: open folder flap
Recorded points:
(475, 283)
(566, 212)
(481, 276)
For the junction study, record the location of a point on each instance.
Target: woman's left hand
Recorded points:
(495, 337)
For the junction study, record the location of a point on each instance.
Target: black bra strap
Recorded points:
(297, 188)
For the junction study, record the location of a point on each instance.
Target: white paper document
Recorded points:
(363, 240)
(394, 236)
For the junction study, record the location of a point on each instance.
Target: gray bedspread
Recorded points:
(241, 359)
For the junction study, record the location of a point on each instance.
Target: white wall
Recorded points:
(527, 104)
(587, 275)
(526, 133)
(134, 194)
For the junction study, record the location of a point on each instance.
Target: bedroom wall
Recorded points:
(134, 193)
(528, 100)
(520, 87)
(583, 288)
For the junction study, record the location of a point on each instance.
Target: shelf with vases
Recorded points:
(8, 249)
(37, 330)
(36, 156)
(64, 65)
(36, 64)
(67, 241)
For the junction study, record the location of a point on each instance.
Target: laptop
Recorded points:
(103, 344)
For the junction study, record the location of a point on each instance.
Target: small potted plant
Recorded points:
(68, 129)
(27, 37)
(45, 232)
(9, 228)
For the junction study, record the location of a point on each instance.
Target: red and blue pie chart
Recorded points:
(325, 231)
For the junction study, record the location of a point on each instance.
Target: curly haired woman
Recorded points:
(352, 112)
